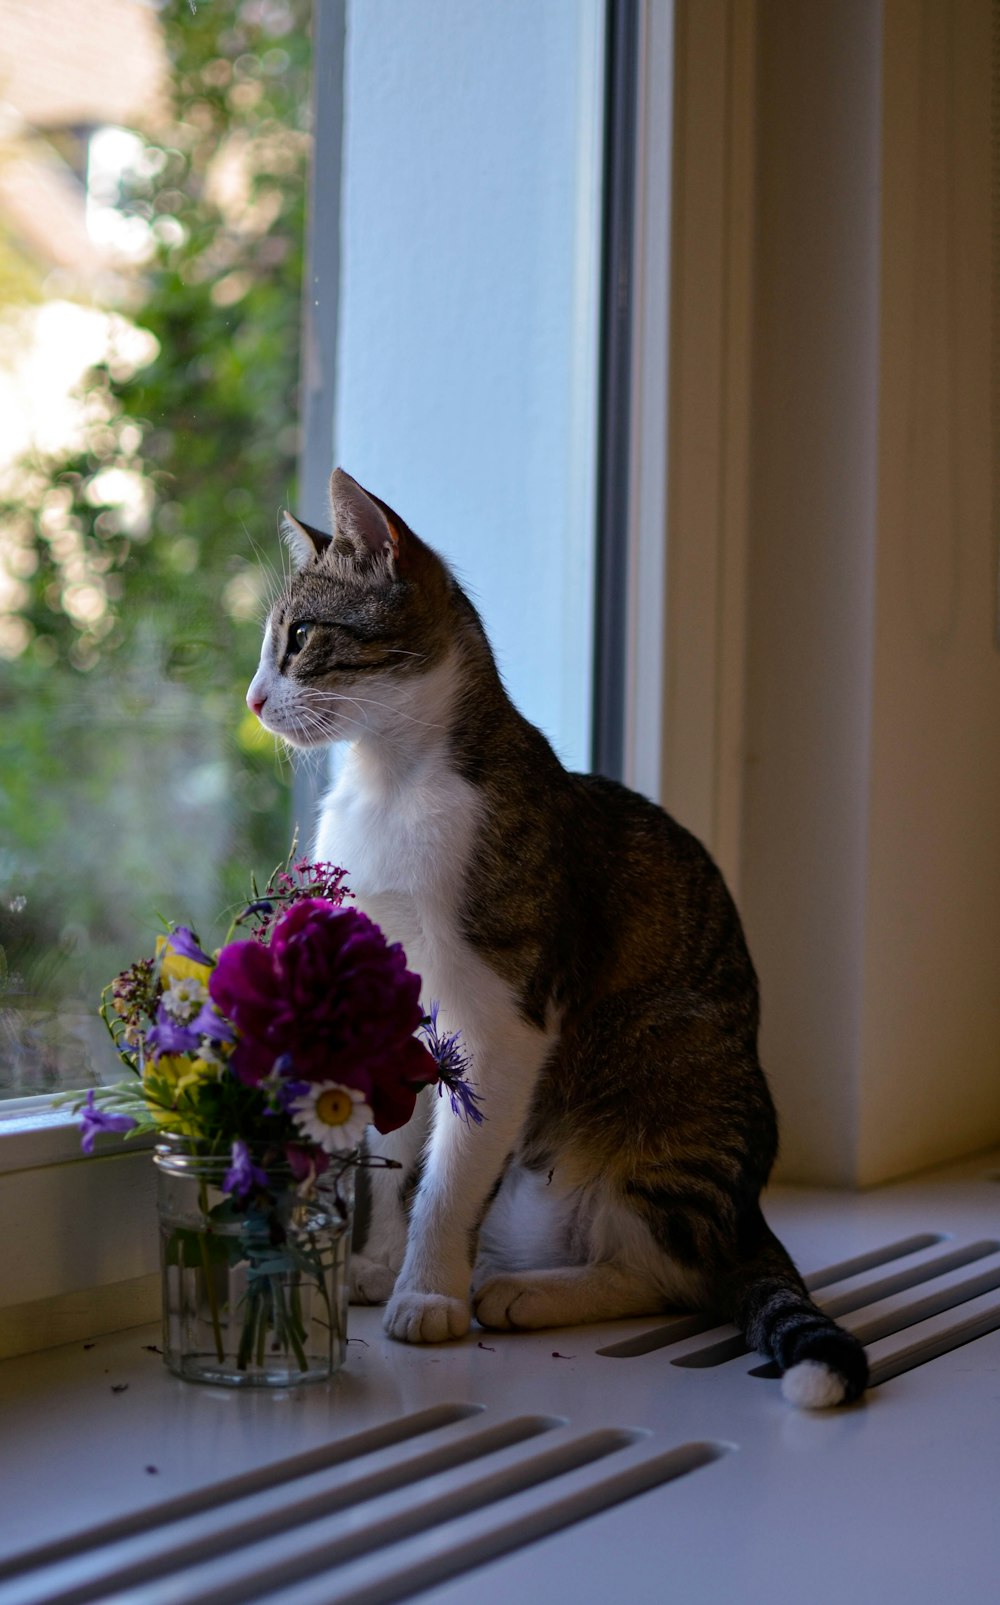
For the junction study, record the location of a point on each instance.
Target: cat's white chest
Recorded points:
(405, 842)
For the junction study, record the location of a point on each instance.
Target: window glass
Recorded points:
(152, 180)
(467, 331)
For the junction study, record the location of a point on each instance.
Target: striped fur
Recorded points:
(587, 947)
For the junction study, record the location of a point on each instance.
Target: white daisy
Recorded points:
(332, 1116)
(184, 997)
(211, 1056)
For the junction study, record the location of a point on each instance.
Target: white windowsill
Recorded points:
(874, 1471)
(33, 1134)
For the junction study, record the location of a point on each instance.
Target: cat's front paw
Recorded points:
(371, 1282)
(426, 1317)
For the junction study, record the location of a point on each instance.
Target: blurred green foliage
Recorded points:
(132, 780)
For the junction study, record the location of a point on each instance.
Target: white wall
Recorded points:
(860, 457)
(930, 1051)
(467, 367)
(812, 535)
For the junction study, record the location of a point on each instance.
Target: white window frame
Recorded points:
(690, 416)
(79, 1215)
(79, 1254)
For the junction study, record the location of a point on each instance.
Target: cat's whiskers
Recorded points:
(275, 583)
(287, 566)
(307, 760)
(390, 707)
(308, 722)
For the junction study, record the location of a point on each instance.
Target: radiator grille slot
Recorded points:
(686, 1326)
(872, 1292)
(919, 1350)
(870, 1306)
(528, 1527)
(307, 1520)
(264, 1478)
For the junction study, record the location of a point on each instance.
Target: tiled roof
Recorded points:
(71, 62)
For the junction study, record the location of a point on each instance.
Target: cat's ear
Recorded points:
(302, 540)
(359, 520)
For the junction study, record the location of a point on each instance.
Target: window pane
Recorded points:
(152, 169)
(467, 377)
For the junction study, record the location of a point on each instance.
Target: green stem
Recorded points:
(289, 1334)
(207, 1271)
(324, 1279)
(247, 1336)
(295, 1299)
(262, 1323)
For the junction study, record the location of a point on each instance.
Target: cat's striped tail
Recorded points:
(821, 1363)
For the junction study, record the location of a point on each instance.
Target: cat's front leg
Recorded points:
(463, 1166)
(376, 1259)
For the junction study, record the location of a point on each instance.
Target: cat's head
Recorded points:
(361, 630)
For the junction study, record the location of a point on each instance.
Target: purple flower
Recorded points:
(208, 1022)
(282, 1086)
(243, 1176)
(169, 1035)
(184, 943)
(333, 1001)
(453, 1067)
(94, 1120)
(464, 1101)
(305, 1163)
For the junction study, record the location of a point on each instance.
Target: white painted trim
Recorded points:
(83, 1314)
(645, 667)
(75, 1229)
(78, 1253)
(711, 302)
(730, 742)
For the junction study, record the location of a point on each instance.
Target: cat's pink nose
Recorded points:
(255, 702)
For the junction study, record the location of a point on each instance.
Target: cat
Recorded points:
(586, 946)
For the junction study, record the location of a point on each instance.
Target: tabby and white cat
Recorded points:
(588, 950)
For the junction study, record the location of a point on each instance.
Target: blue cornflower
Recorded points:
(453, 1065)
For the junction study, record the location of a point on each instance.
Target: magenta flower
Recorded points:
(331, 999)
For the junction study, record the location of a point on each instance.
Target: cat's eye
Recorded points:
(298, 635)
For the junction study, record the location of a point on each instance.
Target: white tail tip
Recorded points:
(811, 1385)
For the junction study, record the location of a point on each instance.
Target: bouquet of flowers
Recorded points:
(267, 1061)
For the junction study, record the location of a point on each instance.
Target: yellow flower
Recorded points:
(166, 1079)
(175, 967)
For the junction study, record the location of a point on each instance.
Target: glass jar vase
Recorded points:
(254, 1293)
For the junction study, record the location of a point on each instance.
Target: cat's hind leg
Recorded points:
(563, 1257)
